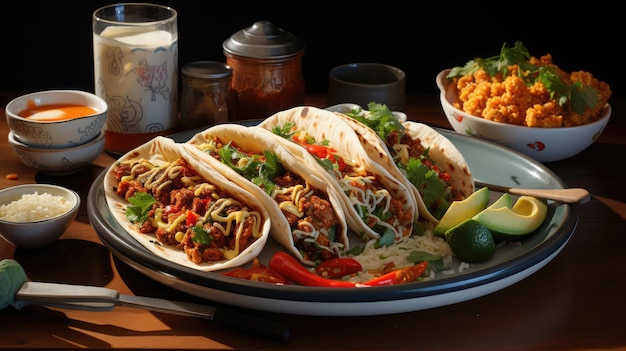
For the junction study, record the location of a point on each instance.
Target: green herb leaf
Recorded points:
(260, 170)
(380, 119)
(325, 163)
(433, 189)
(387, 239)
(356, 250)
(421, 256)
(140, 205)
(272, 167)
(201, 236)
(284, 130)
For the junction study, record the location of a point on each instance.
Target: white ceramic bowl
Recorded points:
(57, 161)
(38, 233)
(57, 134)
(347, 107)
(542, 144)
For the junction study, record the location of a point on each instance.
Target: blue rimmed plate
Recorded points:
(488, 161)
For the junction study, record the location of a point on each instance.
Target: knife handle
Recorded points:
(251, 324)
(77, 297)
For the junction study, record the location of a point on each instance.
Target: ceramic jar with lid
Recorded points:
(267, 70)
(206, 97)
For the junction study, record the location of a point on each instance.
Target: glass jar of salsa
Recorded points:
(267, 70)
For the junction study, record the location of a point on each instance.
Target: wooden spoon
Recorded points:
(569, 195)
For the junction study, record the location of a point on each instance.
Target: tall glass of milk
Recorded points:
(135, 49)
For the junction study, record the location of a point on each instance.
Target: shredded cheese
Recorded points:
(229, 224)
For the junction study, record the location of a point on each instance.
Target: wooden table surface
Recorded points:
(576, 302)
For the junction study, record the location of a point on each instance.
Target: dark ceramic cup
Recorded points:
(362, 83)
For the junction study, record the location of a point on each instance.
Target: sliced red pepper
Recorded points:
(296, 138)
(192, 219)
(338, 267)
(259, 273)
(289, 267)
(399, 276)
(320, 151)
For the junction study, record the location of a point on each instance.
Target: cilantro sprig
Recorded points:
(380, 119)
(285, 130)
(579, 96)
(434, 191)
(201, 236)
(259, 170)
(140, 205)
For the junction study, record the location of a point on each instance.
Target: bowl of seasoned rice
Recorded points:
(538, 110)
(33, 216)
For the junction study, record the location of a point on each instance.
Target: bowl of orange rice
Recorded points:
(513, 107)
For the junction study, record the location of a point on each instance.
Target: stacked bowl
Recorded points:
(57, 132)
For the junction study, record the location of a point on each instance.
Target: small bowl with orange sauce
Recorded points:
(56, 118)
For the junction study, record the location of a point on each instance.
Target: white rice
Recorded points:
(375, 259)
(34, 207)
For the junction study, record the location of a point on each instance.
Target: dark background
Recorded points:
(49, 45)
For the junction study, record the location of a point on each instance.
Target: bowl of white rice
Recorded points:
(36, 215)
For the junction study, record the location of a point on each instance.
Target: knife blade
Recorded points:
(93, 298)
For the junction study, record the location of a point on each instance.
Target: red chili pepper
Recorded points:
(192, 219)
(338, 267)
(399, 276)
(445, 177)
(289, 267)
(258, 273)
(296, 138)
(320, 151)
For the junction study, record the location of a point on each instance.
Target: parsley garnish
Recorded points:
(579, 95)
(201, 236)
(380, 119)
(387, 239)
(433, 189)
(140, 205)
(284, 130)
(259, 170)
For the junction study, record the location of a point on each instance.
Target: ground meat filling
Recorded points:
(183, 199)
(318, 213)
(314, 224)
(416, 150)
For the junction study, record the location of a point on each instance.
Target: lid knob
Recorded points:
(263, 40)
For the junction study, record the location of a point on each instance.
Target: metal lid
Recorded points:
(206, 70)
(263, 40)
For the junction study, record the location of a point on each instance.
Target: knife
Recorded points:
(93, 298)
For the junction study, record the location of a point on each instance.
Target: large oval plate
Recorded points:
(488, 161)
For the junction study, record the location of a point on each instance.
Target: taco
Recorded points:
(425, 160)
(307, 218)
(378, 206)
(183, 211)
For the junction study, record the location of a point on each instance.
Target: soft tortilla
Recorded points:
(442, 151)
(326, 125)
(258, 140)
(162, 150)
